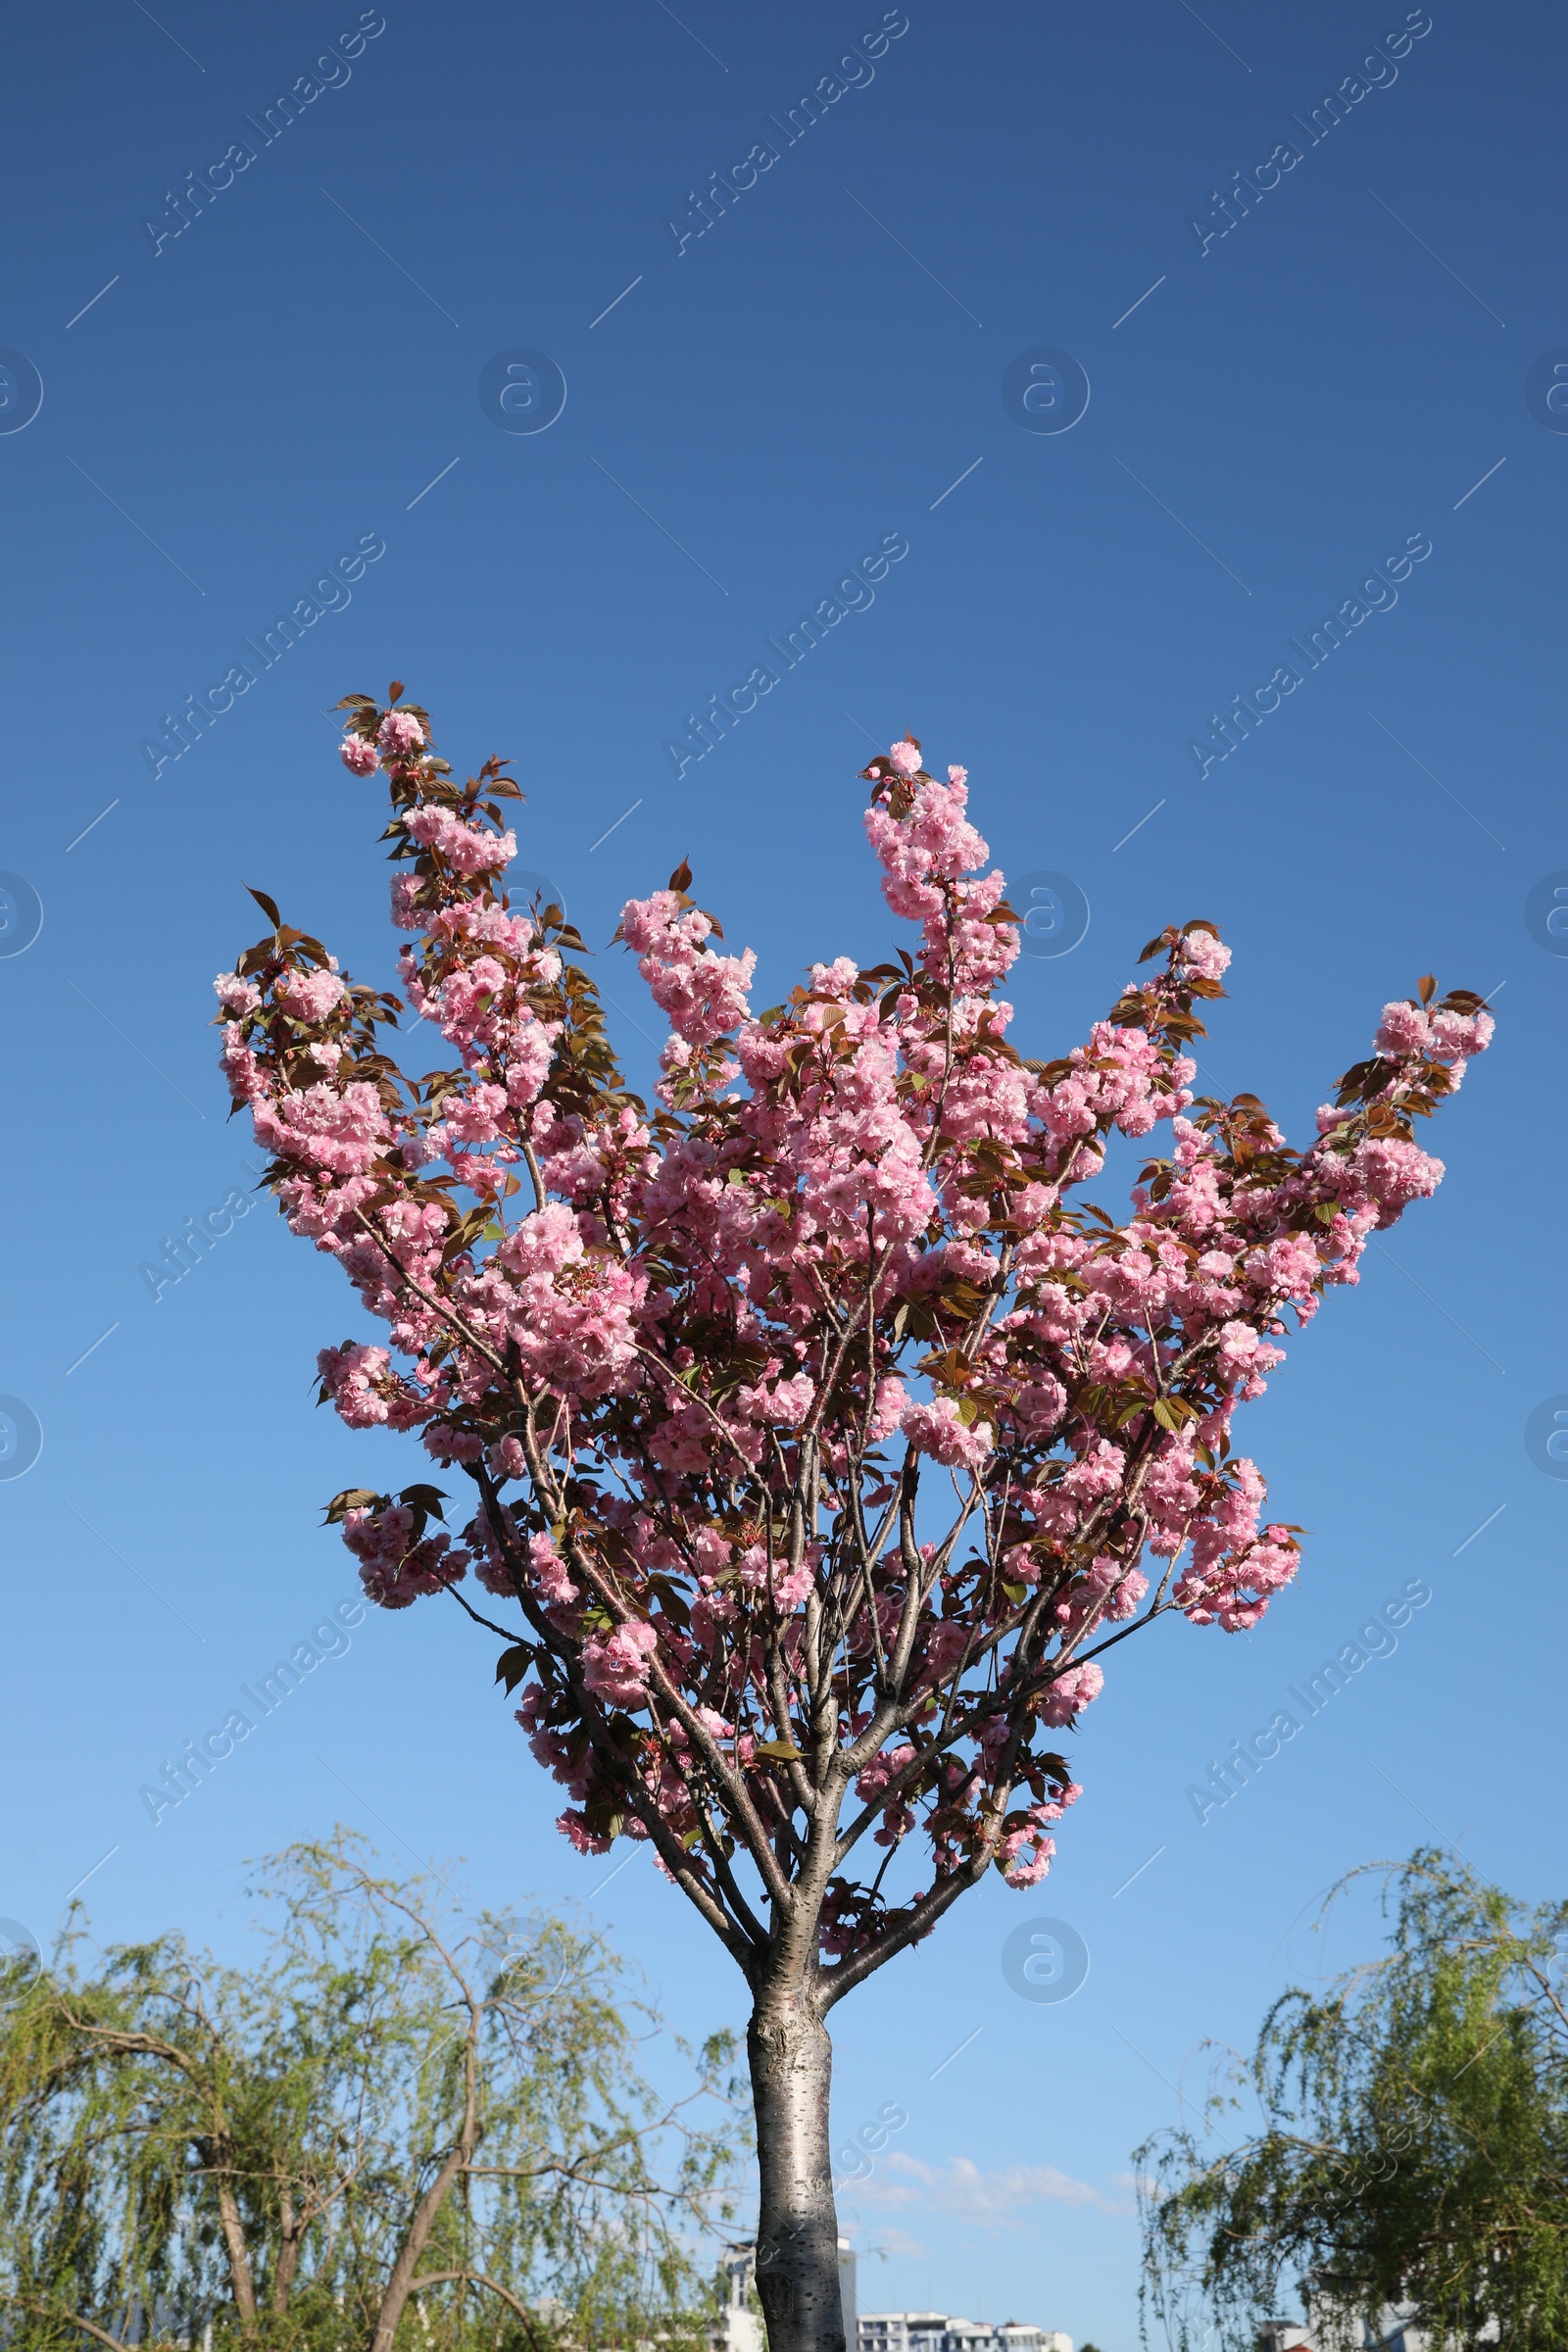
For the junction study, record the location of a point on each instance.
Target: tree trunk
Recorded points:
(797, 2228)
(290, 2243)
(401, 2285)
(233, 2229)
(416, 2238)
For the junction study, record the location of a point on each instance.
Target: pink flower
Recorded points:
(466, 848)
(938, 1430)
(891, 1402)
(1396, 1173)
(1069, 1692)
(550, 1570)
(1455, 1035)
(1205, 955)
(881, 1769)
(310, 996)
(247, 1080)
(905, 758)
(399, 733)
(507, 1459)
(478, 1116)
(543, 1243)
(1237, 1347)
(1291, 1263)
(574, 1826)
(236, 996)
(616, 1666)
(1026, 1853)
(340, 1131)
(785, 1404)
(355, 1379)
(703, 994)
(1403, 1030)
(1042, 1852)
(1040, 1405)
(358, 755)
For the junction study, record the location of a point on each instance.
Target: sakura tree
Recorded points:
(823, 1437)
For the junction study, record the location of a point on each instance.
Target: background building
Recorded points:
(1333, 2326)
(942, 2332)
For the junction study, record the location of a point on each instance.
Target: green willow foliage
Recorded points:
(1414, 2152)
(402, 2126)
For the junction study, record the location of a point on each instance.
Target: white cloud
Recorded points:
(961, 2190)
(890, 2240)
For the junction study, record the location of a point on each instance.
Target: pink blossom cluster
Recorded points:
(396, 1567)
(822, 1437)
(359, 756)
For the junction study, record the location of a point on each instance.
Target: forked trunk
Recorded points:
(797, 2228)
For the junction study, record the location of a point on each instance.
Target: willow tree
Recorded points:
(392, 2110)
(809, 1631)
(1412, 2155)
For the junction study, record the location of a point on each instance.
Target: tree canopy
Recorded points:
(395, 2116)
(670, 1348)
(1413, 2149)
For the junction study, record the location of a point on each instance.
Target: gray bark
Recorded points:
(797, 2228)
(403, 2281)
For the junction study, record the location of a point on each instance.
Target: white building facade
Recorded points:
(1333, 2325)
(943, 2331)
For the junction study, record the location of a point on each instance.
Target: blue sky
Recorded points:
(294, 376)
